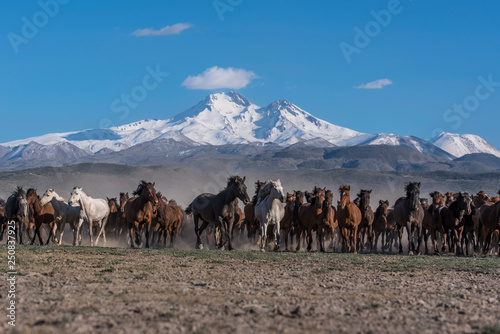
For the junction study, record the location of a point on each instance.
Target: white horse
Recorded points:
(269, 210)
(63, 213)
(91, 210)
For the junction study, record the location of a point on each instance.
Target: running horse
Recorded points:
(16, 209)
(249, 212)
(367, 216)
(453, 217)
(42, 215)
(218, 210)
(91, 210)
(311, 219)
(269, 211)
(379, 225)
(409, 214)
(349, 218)
(138, 212)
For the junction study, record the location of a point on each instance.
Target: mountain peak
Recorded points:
(463, 144)
(230, 96)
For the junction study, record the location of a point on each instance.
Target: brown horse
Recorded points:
(219, 210)
(286, 223)
(432, 222)
(453, 221)
(349, 218)
(380, 223)
(111, 227)
(489, 220)
(179, 218)
(329, 217)
(311, 219)
(365, 227)
(42, 215)
(166, 218)
(251, 222)
(409, 214)
(139, 212)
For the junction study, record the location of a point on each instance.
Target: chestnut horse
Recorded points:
(409, 214)
(349, 218)
(114, 213)
(311, 219)
(432, 222)
(42, 215)
(138, 212)
(239, 224)
(489, 219)
(380, 223)
(249, 212)
(218, 209)
(449, 198)
(329, 218)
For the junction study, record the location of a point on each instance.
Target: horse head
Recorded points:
(383, 207)
(31, 196)
(240, 189)
(424, 201)
(465, 202)
(318, 196)
(113, 204)
(437, 204)
(277, 190)
(123, 199)
(449, 197)
(345, 196)
(75, 197)
(364, 199)
(413, 194)
(328, 199)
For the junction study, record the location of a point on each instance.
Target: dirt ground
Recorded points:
(115, 290)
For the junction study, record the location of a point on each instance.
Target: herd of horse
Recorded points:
(458, 222)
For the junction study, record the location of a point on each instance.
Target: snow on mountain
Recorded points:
(229, 118)
(460, 145)
(415, 143)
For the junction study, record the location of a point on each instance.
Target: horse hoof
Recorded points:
(200, 246)
(410, 253)
(262, 250)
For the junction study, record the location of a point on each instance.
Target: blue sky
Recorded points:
(66, 76)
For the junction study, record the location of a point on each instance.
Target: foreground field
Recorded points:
(103, 290)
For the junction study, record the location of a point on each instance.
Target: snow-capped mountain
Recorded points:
(460, 145)
(415, 143)
(223, 119)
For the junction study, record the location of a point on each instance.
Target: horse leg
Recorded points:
(410, 232)
(263, 232)
(400, 234)
(276, 233)
(298, 236)
(419, 238)
(199, 244)
(203, 226)
(229, 233)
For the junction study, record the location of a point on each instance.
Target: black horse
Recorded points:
(218, 209)
(16, 209)
(409, 214)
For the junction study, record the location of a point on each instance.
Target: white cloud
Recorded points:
(217, 78)
(168, 30)
(377, 84)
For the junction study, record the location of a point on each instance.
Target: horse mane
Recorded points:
(411, 187)
(264, 192)
(141, 187)
(258, 186)
(233, 179)
(30, 190)
(19, 192)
